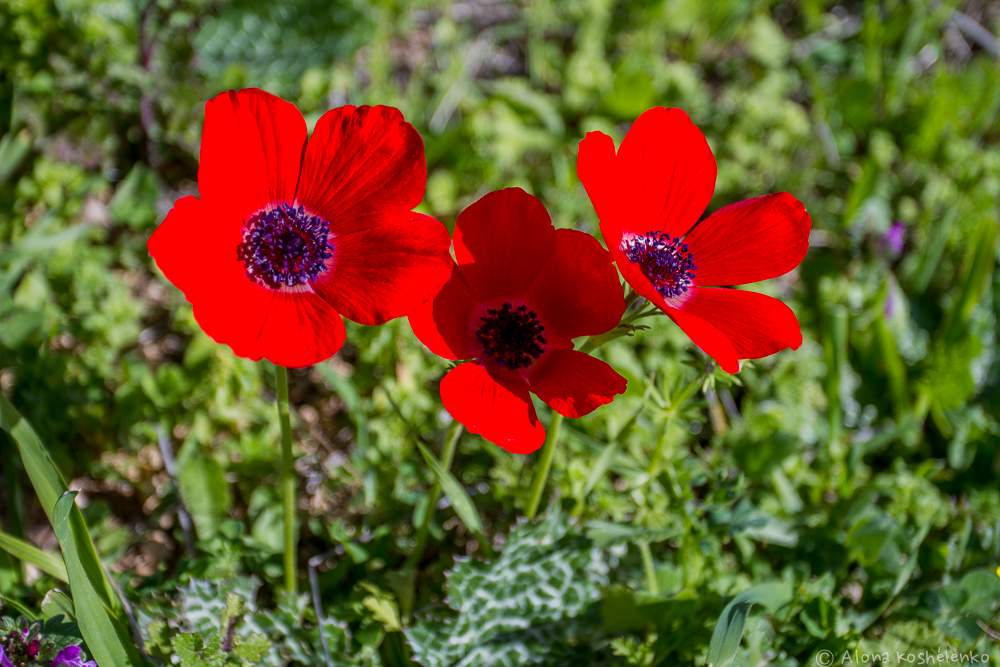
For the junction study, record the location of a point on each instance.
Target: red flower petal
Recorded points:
(751, 240)
(578, 292)
(755, 325)
(361, 159)
(574, 383)
(387, 269)
(251, 149)
(661, 179)
(190, 245)
(444, 323)
(711, 341)
(299, 329)
(502, 241)
(500, 410)
(195, 248)
(597, 170)
(290, 329)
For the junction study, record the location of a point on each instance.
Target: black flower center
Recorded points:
(285, 246)
(663, 259)
(511, 336)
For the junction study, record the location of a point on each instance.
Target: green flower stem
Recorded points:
(649, 568)
(542, 473)
(288, 481)
(653, 469)
(549, 448)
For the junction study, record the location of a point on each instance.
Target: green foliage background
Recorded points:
(850, 486)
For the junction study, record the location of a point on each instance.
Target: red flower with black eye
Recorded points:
(649, 197)
(519, 294)
(290, 234)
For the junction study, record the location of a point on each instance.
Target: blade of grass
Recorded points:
(424, 527)
(18, 607)
(106, 635)
(45, 477)
(102, 621)
(892, 362)
(460, 500)
(46, 561)
(835, 350)
(980, 263)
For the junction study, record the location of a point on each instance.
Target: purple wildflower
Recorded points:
(71, 656)
(895, 237)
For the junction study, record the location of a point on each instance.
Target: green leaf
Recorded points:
(45, 561)
(134, 202)
(534, 599)
(42, 471)
(18, 607)
(460, 500)
(252, 650)
(38, 242)
(56, 603)
(20, 325)
(382, 607)
(204, 488)
(6, 100)
(729, 628)
(101, 622)
(14, 149)
(606, 533)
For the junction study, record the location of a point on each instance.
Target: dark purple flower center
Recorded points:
(511, 336)
(663, 259)
(285, 246)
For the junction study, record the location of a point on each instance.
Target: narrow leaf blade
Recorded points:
(102, 627)
(46, 561)
(460, 500)
(98, 608)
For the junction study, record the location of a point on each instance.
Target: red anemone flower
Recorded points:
(289, 235)
(649, 197)
(520, 292)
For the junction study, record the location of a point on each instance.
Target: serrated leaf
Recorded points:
(530, 605)
(382, 607)
(252, 649)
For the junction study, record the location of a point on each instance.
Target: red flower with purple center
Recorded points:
(519, 293)
(290, 233)
(649, 195)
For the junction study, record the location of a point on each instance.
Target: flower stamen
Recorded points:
(663, 259)
(285, 246)
(512, 336)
